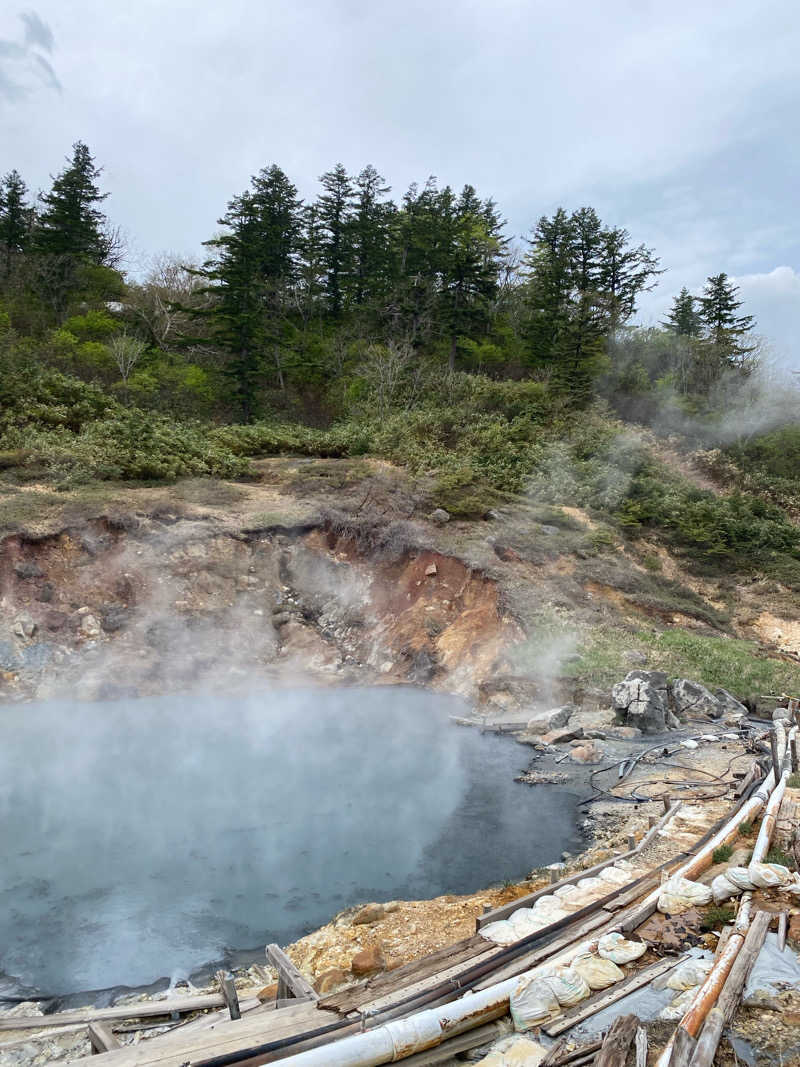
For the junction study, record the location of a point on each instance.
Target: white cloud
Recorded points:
(774, 298)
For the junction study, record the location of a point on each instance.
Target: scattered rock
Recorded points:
(642, 699)
(113, 617)
(672, 933)
(54, 620)
(561, 737)
(732, 709)
(588, 752)
(370, 913)
(440, 516)
(268, 993)
(46, 593)
(551, 531)
(332, 980)
(592, 722)
(546, 721)
(431, 570)
(622, 733)
(281, 618)
(368, 961)
(542, 778)
(27, 570)
(24, 626)
(90, 627)
(691, 698)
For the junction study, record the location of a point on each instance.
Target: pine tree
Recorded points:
(335, 213)
(15, 219)
(548, 287)
(684, 318)
(250, 274)
(725, 330)
(70, 223)
(624, 273)
(370, 237)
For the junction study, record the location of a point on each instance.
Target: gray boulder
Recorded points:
(691, 698)
(641, 700)
(546, 721)
(732, 709)
(440, 516)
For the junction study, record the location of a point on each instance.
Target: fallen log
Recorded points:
(620, 1037)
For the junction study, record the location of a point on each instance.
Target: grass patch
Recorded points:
(746, 829)
(777, 855)
(723, 853)
(793, 781)
(715, 917)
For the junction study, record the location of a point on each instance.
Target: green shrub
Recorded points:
(723, 853)
(777, 855)
(715, 916)
(746, 828)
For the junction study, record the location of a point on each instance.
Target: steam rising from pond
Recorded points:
(144, 839)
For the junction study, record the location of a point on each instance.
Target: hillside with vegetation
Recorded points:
(505, 380)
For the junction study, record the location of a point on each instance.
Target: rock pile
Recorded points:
(653, 704)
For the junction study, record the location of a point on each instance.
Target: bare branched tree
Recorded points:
(126, 352)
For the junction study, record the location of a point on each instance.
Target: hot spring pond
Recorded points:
(146, 839)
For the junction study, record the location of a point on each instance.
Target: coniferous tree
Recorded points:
(370, 237)
(725, 329)
(335, 213)
(70, 222)
(624, 273)
(684, 318)
(250, 275)
(16, 217)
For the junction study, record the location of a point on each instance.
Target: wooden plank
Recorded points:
(620, 1037)
(641, 1047)
(783, 920)
(682, 1049)
(587, 1008)
(349, 999)
(178, 1047)
(144, 1010)
(431, 981)
(227, 987)
(101, 1038)
(289, 977)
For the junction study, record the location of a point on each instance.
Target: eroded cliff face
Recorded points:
(142, 605)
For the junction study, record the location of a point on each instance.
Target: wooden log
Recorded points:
(143, 1010)
(587, 1008)
(723, 940)
(783, 922)
(683, 1048)
(101, 1038)
(793, 754)
(290, 982)
(620, 1037)
(641, 1047)
(728, 1001)
(559, 1057)
(227, 987)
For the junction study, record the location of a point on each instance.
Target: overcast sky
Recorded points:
(676, 120)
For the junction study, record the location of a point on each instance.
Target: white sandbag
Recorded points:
(501, 933)
(592, 885)
(723, 890)
(740, 877)
(595, 971)
(614, 877)
(532, 1003)
(567, 985)
(564, 891)
(689, 974)
(525, 921)
(689, 743)
(618, 949)
(549, 910)
(680, 1005)
(769, 875)
(679, 894)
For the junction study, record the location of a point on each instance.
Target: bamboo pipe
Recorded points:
(725, 1008)
(706, 996)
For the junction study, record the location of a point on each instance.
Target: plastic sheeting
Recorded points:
(532, 1003)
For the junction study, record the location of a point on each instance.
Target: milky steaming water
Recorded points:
(144, 839)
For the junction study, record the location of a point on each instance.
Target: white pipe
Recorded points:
(401, 1037)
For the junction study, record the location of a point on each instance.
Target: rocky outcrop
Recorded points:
(547, 721)
(692, 698)
(647, 700)
(641, 699)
